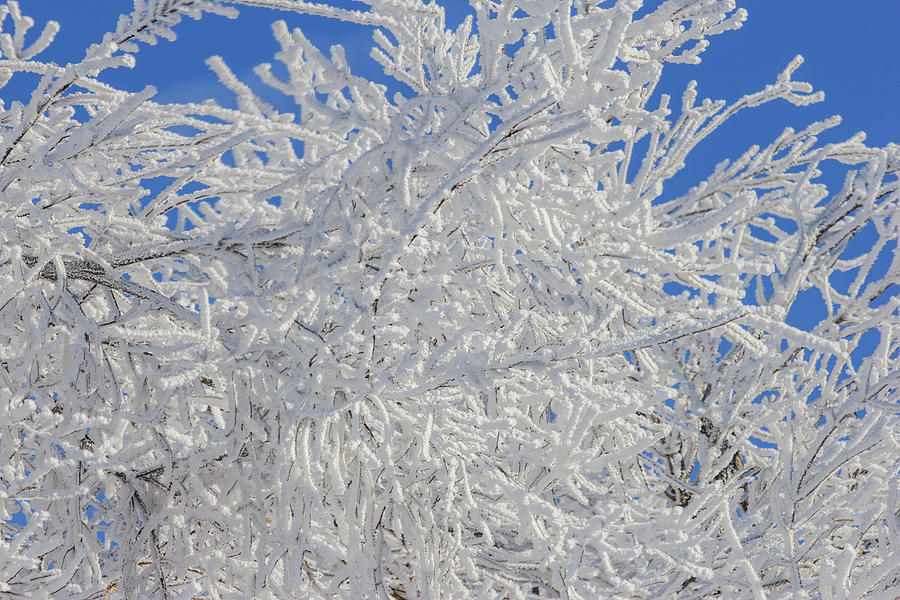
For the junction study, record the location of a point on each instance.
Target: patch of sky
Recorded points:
(227, 158)
(695, 471)
(86, 239)
(18, 518)
(81, 114)
(511, 49)
(814, 395)
(208, 119)
(786, 225)
(724, 346)
(861, 243)
(646, 8)
(841, 285)
(866, 345)
(101, 537)
(757, 285)
(807, 310)
(172, 219)
(549, 31)
(153, 186)
(191, 187)
(639, 149)
(494, 123)
(759, 443)
(674, 288)
(890, 291)
(621, 65)
(761, 234)
(19, 88)
(299, 146)
(183, 130)
(882, 262)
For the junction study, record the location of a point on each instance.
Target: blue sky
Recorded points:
(850, 49)
(851, 54)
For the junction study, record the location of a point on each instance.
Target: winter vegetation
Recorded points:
(458, 342)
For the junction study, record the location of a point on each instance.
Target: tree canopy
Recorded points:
(457, 342)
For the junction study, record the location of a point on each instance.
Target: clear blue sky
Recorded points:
(850, 49)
